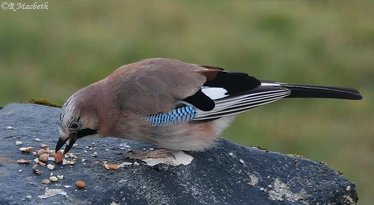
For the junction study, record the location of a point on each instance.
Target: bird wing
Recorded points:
(162, 88)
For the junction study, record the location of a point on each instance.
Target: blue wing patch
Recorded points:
(182, 114)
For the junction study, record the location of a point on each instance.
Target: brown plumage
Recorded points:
(136, 102)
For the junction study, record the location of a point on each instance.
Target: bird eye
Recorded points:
(74, 125)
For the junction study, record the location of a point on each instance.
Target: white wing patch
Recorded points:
(214, 93)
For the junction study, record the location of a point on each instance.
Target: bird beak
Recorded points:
(69, 141)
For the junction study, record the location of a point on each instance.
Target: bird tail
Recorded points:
(313, 91)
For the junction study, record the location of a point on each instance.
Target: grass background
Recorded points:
(52, 53)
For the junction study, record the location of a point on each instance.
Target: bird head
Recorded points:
(76, 121)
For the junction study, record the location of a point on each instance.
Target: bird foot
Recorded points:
(157, 153)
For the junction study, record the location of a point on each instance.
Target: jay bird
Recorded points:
(173, 104)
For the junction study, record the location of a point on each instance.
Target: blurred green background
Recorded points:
(52, 53)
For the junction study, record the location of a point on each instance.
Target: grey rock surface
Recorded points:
(226, 174)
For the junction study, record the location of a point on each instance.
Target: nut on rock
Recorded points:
(80, 184)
